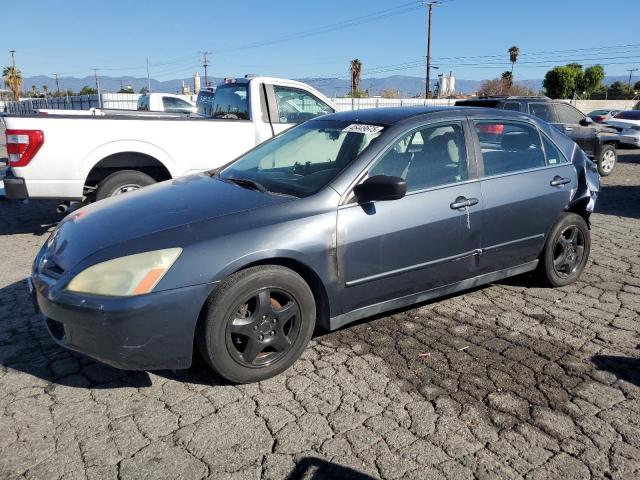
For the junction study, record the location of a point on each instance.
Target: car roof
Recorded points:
(392, 115)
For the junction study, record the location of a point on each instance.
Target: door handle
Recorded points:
(559, 181)
(463, 202)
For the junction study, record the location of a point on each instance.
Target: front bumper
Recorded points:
(145, 332)
(15, 188)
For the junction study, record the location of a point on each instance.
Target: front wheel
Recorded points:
(566, 251)
(607, 160)
(258, 322)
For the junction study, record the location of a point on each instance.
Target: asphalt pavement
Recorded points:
(503, 381)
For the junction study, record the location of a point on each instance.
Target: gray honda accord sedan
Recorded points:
(340, 218)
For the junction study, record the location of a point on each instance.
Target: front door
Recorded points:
(569, 120)
(526, 184)
(427, 239)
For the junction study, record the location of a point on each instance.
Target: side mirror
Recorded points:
(380, 187)
(586, 121)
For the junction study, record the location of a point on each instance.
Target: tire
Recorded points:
(257, 323)
(565, 255)
(607, 160)
(122, 182)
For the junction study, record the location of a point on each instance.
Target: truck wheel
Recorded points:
(122, 182)
(566, 251)
(607, 160)
(258, 322)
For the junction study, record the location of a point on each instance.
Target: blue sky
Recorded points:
(470, 37)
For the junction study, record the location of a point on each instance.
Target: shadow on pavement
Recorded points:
(625, 368)
(619, 200)
(35, 217)
(316, 469)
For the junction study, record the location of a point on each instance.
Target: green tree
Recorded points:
(619, 91)
(561, 82)
(13, 80)
(591, 81)
(636, 86)
(144, 90)
(513, 56)
(87, 90)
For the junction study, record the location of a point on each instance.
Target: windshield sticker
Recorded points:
(361, 128)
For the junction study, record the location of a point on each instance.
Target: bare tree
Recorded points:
(356, 69)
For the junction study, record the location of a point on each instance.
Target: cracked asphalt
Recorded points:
(504, 381)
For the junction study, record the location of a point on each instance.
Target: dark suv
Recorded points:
(598, 142)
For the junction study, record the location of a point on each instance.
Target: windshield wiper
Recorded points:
(247, 183)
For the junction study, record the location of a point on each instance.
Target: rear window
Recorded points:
(204, 102)
(231, 102)
(143, 103)
(629, 115)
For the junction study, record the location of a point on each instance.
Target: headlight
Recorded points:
(126, 276)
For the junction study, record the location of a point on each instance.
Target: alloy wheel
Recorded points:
(608, 161)
(263, 327)
(569, 251)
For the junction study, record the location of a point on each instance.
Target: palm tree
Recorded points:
(356, 69)
(13, 80)
(513, 56)
(45, 89)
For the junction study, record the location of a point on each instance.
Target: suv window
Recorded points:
(427, 157)
(511, 147)
(297, 106)
(568, 114)
(542, 110)
(512, 106)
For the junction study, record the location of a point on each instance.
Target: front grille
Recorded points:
(49, 268)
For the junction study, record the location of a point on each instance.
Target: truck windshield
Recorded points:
(302, 160)
(231, 101)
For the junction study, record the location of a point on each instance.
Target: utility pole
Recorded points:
(148, 78)
(428, 76)
(205, 64)
(631, 70)
(95, 74)
(57, 84)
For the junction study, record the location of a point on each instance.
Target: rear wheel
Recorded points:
(566, 251)
(122, 182)
(607, 160)
(258, 322)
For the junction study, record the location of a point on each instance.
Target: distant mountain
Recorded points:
(406, 85)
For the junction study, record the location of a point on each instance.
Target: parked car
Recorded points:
(95, 157)
(628, 124)
(165, 102)
(598, 142)
(600, 116)
(343, 217)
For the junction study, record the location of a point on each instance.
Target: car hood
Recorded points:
(159, 207)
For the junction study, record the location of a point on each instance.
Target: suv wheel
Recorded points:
(258, 322)
(607, 160)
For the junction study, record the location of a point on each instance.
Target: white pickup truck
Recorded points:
(87, 158)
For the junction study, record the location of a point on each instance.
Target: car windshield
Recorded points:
(302, 160)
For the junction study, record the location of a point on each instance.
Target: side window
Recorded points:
(542, 110)
(427, 157)
(512, 106)
(568, 114)
(552, 153)
(509, 147)
(168, 104)
(297, 106)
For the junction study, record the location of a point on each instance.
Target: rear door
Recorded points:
(526, 185)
